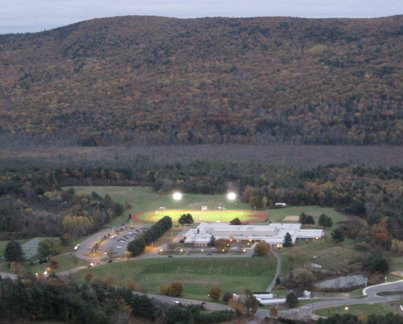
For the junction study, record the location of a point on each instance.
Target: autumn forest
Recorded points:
(153, 80)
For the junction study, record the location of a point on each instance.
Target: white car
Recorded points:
(76, 247)
(118, 246)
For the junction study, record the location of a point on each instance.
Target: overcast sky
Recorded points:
(38, 15)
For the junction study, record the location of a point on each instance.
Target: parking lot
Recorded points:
(108, 244)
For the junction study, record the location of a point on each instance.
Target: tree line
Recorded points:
(137, 246)
(65, 301)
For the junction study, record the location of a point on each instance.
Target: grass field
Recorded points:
(363, 309)
(277, 215)
(196, 274)
(331, 256)
(144, 198)
(202, 216)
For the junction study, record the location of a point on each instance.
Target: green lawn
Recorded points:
(277, 215)
(203, 216)
(363, 309)
(66, 262)
(196, 274)
(145, 198)
(331, 256)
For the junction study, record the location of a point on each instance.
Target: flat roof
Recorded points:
(273, 233)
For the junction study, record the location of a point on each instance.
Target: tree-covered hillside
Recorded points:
(211, 80)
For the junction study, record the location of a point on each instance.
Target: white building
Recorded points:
(272, 234)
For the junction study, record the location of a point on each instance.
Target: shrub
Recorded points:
(227, 297)
(48, 248)
(164, 289)
(376, 263)
(338, 235)
(88, 277)
(236, 221)
(186, 219)
(222, 245)
(304, 278)
(262, 248)
(215, 293)
(176, 289)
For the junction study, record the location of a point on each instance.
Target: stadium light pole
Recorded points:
(231, 196)
(177, 196)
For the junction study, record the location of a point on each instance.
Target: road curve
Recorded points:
(370, 297)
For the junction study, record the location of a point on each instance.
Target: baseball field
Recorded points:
(249, 216)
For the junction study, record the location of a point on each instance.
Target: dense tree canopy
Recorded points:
(161, 80)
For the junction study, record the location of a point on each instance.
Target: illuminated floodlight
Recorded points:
(231, 196)
(177, 196)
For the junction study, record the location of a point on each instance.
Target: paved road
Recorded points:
(278, 270)
(370, 297)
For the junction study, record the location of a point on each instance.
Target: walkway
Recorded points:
(278, 270)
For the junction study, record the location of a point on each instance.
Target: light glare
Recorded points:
(177, 196)
(231, 196)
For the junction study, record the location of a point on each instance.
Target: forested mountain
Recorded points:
(211, 80)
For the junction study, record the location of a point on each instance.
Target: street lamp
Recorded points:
(177, 196)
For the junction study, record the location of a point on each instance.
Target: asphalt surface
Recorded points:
(113, 241)
(305, 312)
(278, 270)
(370, 297)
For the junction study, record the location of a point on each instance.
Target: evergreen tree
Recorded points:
(325, 221)
(287, 240)
(13, 252)
(137, 246)
(291, 300)
(338, 235)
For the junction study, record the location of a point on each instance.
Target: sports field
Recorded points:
(145, 198)
(197, 275)
(202, 216)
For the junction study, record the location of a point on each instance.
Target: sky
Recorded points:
(36, 15)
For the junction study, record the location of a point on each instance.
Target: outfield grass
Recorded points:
(145, 198)
(196, 275)
(202, 216)
(363, 309)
